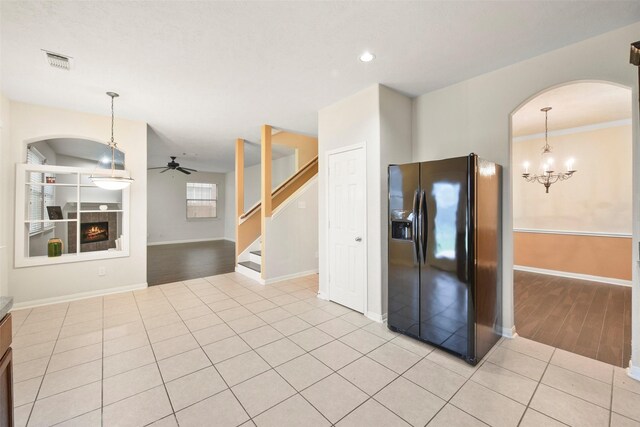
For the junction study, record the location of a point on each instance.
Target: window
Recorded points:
(202, 200)
(40, 196)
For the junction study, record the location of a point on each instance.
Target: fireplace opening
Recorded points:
(91, 232)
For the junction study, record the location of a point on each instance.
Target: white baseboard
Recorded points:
(323, 296)
(175, 242)
(379, 318)
(508, 332)
(633, 371)
(610, 280)
(290, 276)
(251, 274)
(78, 296)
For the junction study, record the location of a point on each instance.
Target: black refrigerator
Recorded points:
(445, 284)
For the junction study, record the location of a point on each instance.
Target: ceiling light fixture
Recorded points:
(112, 181)
(548, 176)
(367, 57)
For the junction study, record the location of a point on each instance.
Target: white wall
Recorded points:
(297, 219)
(33, 122)
(167, 214)
(374, 116)
(6, 201)
(474, 116)
(230, 206)
(395, 148)
(281, 169)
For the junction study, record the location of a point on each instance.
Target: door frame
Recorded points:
(365, 233)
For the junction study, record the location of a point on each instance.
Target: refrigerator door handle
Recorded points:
(415, 225)
(424, 238)
(423, 249)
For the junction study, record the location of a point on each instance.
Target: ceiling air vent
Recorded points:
(57, 60)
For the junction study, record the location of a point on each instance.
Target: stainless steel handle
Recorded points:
(420, 227)
(414, 223)
(358, 239)
(424, 238)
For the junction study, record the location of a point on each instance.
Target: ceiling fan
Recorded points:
(173, 165)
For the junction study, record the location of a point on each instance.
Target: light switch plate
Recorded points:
(302, 205)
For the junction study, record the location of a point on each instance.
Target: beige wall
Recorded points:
(600, 256)
(35, 284)
(474, 116)
(596, 199)
(6, 205)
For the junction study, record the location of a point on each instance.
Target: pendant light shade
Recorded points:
(111, 181)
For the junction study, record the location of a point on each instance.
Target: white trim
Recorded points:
(633, 371)
(323, 296)
(290, 276)
(379, 318)
(573, 233)
(610, 280)
(174, 242)
(365, 233)
(508, 332)
(251, 274)
(579, 129)
(78, 296)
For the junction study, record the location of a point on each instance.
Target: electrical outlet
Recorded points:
(302, 205)
(102, 271)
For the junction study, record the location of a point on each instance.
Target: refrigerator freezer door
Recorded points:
(404, 254)
(445, 287)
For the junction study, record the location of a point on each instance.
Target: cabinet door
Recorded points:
(6, 390)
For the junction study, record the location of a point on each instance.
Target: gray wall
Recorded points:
(281, 169)
(167, 212)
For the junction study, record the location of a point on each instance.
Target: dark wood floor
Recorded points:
(587, 318)
(174, 263)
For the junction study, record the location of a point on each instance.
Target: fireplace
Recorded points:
(92, 232)
(98, 229)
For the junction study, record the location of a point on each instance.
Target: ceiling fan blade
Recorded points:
(183, 170)
(189, 169)
(159, 167)
(165, 170)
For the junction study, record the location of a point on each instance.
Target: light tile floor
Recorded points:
(226, 351)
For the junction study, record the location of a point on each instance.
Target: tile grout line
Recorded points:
(270, 368)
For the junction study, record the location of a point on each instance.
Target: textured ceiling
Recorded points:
(204, 73)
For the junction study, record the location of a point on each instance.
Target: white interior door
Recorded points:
(347, 225)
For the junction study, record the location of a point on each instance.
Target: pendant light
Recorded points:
(111, 181)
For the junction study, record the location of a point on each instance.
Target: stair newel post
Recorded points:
(239, 190)
(266, 198)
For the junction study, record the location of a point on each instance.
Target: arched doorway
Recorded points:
(572, 244)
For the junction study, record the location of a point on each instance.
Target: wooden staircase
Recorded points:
(251, 224)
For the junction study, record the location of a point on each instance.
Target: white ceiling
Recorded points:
(574, 105)
(202, 74)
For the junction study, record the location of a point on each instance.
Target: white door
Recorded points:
(347, 245)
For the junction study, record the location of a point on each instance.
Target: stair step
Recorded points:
(259, 253)
(251, 265)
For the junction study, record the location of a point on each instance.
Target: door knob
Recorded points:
(358, 239)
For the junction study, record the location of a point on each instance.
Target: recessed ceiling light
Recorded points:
(367, 57)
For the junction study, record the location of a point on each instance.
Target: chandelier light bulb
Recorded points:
(570, 164)
(526, 167)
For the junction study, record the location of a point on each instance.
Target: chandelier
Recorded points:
(111, 181)
(548, 175)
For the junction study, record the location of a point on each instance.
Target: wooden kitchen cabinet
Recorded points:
(6, 373)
